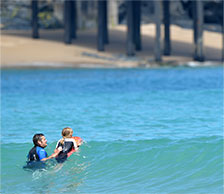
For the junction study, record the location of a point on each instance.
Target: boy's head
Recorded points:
(39, 140)
(67, 132)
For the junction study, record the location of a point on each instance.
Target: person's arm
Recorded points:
(56, 152)
(75, 145)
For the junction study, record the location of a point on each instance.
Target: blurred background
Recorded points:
(16, 14)
(112, 33)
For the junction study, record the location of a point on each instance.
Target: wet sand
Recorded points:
(19, 50)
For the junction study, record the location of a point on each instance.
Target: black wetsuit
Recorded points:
(69, 144)
(36, 154)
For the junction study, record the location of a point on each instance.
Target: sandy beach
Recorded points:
(19, 50)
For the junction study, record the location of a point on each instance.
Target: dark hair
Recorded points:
(37, 137)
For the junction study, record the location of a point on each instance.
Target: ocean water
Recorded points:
(145, 130)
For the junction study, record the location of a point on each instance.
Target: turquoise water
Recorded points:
(145, 130)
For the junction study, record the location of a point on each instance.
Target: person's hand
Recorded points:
(59, 148)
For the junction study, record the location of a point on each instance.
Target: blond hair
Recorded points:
(66, 133)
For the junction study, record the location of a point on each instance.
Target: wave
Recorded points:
(159, 165)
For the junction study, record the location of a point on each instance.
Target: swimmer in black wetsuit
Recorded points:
(37, 153)
(66, 145)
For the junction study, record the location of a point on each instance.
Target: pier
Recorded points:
(95, 27)
(133, 10)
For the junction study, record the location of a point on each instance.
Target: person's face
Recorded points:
(43, 142)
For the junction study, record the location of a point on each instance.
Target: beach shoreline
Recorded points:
(19, 50)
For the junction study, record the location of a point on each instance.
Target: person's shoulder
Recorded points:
(32, 149)
(58, 143)
(70, 140)
(40, 149)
